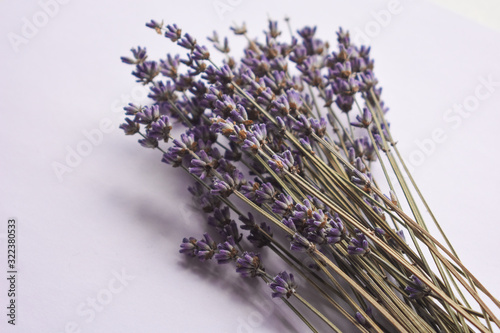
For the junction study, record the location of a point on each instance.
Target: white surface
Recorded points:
(121, 209)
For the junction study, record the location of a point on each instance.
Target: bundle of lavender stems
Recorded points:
(280, 145)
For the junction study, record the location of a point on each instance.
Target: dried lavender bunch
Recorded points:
(290, 131)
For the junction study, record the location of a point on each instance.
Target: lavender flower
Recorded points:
(160, 129)
(359, 244)
(363, 121)
(149, 142)
(283, 286)
(202, 166)
(189, 246)
(146, 71)
(206, 248)
(226, 252)
(203, 249)
(155, 25)
(249, 265)
(283, 205)
(173, 33)
(301, 244)
(139, 56)
(418, 289)
(265, 194)
(130, 127)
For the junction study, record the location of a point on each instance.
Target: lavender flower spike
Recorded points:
(283, 286)
(249, 265)
(359, 245)
(130, 127)
(226, 252)
(301, 244)
(418, 290)
(155, 25)
(173, 33)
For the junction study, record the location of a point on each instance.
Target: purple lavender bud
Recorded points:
(290, 224)
(307, 32)
(348, 86)
(341, 70)
(173, 33)
(198, 65)
(146, 72)
(169, 67)
(283, 205)
(240, 116)
(130, 127)
(188, 42)
(225, 75)
(257, 237)
(226, 252)
(231, 231)
(148, 115)
(294, 100)
(163, 93)
(401, 234)
(344, 102)
(363, 121)
(220, 218)
(281, 106)
(249, 222)
(273, 29)
(303, 211)
(360, 178)
(266, 194)
(359, 244)
(306, 144)
(343, 37)
(172, 158)
(149, 142)
(266, 98)
(189, 246)
(206, 248)
(160, 129)
(202, 166)
(283, 286)
(131, 109)
(259, 131)
(249, 265)
(139, 56)
(225, 106)
(155, 25)
(303, 126)
(379, 141)
(301, 244)
(220, 125)
(251, 144)
(328, 98)
(319, 126)
(379, 231)
(281, 163)
(201, 53)
(368, 80)
(418, 289)
(249, 190)
(222, 188)
(299, 55)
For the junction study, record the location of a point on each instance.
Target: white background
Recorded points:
(121, 209)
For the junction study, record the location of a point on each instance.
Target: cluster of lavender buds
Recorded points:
(281, 143)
